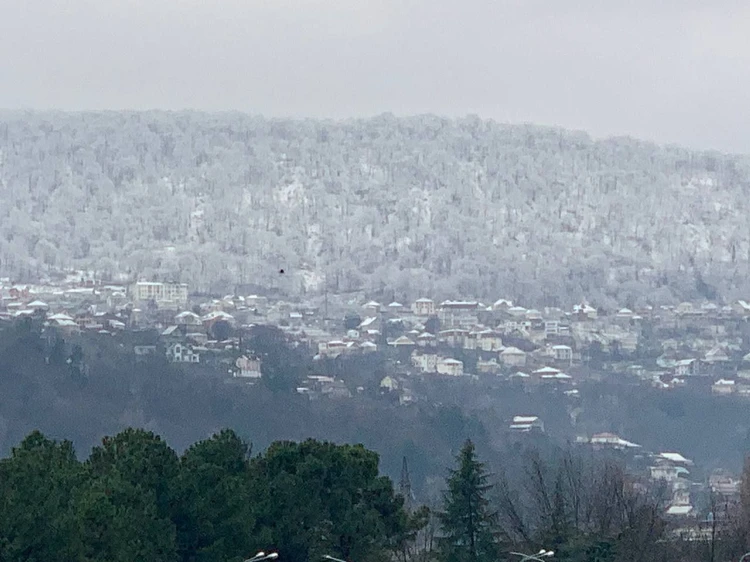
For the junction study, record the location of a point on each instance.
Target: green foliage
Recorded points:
(352, 321)
(282, 366)
(323, 498)
(135, 499)
(432, 325)
(469, 524)
(36, 487)
(216, 490)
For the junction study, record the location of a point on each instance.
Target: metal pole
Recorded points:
(745, 556)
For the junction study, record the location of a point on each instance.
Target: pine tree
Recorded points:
(469, 525)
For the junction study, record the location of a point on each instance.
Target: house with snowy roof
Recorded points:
(526, 424)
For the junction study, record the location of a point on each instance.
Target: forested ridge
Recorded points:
(417, 205)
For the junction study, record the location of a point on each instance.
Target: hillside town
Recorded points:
(700, 345)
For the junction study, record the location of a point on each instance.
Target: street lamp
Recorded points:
(745, 556)
(538, 557)
(263, 556)
(332, 559)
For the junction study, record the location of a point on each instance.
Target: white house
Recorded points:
(182, 353)
(526, 424)
(563, 353)
(489, 340)
(452, 367)
(723, 387)
(513, 357)
(247, 368)
(331, 348)
(187, 318)
(402, 341)
(426, 339)
(424, 307)
(424, 362)
(371, 308)
(610, 440)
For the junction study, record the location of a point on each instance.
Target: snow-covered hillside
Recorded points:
(422, 204)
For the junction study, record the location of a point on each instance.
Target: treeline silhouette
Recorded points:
(135, 498)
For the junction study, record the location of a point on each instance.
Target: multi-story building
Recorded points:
(165, 295)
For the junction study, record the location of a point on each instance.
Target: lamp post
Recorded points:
(539, 556)
(745, 557)
(332, 559)
(263, 556)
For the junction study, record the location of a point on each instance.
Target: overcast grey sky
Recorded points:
(666, 70)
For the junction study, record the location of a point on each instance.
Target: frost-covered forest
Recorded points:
(411, 205)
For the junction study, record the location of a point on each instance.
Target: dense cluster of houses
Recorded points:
(667, 347)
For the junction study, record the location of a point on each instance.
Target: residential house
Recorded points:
(458, 313)
(332, 348)
(141, 352)
(558, 378)
(685, 367)
(424, 362)
(424, 307)
(723, 387)
(182, 353)
(551, 328)
(489, 340)
(187, 318)
(722, 482)
(369, 323)
(517, 312)
(624, 316)
(247, 367)
(63, 322)
(371, 309)
(527, 424)
(172, 334)
(563, 353)
(513, 357)
(389, 384)
(402, 342)
(490, 367)
(426, 339)
(336, 390)
(584, 312)
(665, 473)
(37, 306)
(212, 318)
(451, 367)
(502, 305)
(611, 441)
(453, 337)
(396, 308)
(716, 355)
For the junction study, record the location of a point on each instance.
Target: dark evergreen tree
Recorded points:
(36, 484)
(470, 530)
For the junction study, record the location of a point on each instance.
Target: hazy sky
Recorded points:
(667, 70)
